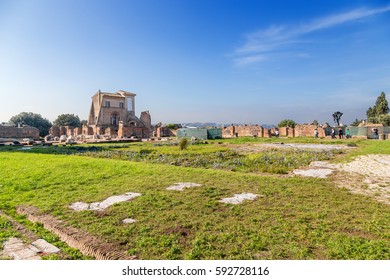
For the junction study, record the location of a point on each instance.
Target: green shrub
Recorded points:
(183, 144)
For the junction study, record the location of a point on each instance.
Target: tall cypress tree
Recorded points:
(381, 105)
(379, 113)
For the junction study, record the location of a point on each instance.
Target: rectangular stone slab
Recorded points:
(45, 246)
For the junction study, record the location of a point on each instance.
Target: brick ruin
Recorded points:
(242, 130)
(19, 132)
(247, 130)
(259, 131)
(166, 130)
(307, 130)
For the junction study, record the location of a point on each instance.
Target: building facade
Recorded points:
(113, 114)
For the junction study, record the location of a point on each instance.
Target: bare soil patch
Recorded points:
(368, 175)
(317, 173)
(371, 174)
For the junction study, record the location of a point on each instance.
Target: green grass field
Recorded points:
(296, 218)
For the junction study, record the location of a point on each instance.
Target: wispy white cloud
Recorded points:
(249, 59)
(263, 44)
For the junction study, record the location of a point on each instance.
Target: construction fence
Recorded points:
(367, 131)
(200, 133)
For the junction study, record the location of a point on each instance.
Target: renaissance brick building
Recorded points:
(114, 114)
(111, 115)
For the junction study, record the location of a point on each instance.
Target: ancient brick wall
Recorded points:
(242, 131)
(87, 130)
(258, 131)
(19, 132)
(77, 131)
(266, 133)
(283, 131)
(307, 130)
(129, 131)
(146, 118)
(286, 132)
(165, 132)
(69, 130)
(110, 131)
(249, 130)
(228, 132)
(63, 130)
(55, 131)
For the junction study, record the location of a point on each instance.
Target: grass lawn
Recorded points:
(295, 218)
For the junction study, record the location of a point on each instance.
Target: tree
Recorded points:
(32, 119)
(336, 117)
(356, 122)
(315, 122)
(287, 123)
(171, 126)
(384, 119)
(67, 120)
(370, 113)
(381, 105)
(183, 144)
(379, 113)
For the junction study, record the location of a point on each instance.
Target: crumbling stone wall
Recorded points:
(164, 131)
(267, 133)
(63, 130)
(242, 130)
(77, 131)
(19, 132)
(132, 131)
(307, 130)
(69, 130)
(146, 118)
(138, 130)
(55, 131)
(110, 131)
(86, 130)
(228, 132)
(286, 132)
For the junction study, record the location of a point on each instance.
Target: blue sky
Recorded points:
(221, 61)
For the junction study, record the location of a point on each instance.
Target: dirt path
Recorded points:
(368, 175)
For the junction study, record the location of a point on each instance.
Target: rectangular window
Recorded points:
(130, 104)
(107, 104)
(121, 104)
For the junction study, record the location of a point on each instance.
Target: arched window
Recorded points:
(114, 119)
